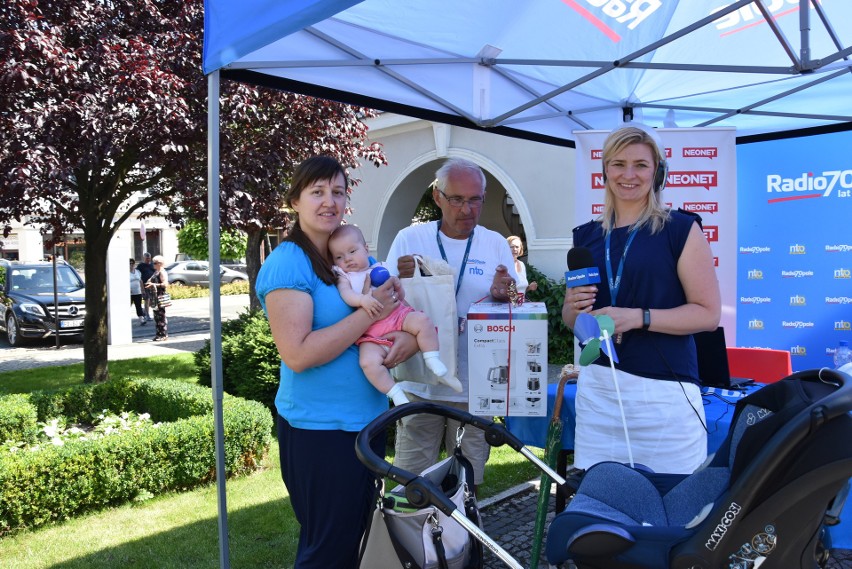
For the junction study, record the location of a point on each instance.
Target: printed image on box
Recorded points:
(507, 359)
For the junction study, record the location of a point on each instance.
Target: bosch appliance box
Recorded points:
(507, 359)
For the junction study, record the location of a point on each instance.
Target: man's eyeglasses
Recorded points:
(456, 201)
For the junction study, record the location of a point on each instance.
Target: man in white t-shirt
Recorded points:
(483, 267)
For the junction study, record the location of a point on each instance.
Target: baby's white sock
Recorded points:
(397, 395)
(434, 363)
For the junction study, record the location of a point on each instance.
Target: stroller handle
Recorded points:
(421, 491)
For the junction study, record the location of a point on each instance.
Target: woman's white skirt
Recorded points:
(665, 422)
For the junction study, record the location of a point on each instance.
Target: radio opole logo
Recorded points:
(807, 185)
(755, 300)
(755, 250)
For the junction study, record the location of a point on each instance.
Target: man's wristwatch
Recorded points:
(646, 318)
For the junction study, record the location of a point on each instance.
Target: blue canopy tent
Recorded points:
(538, 70)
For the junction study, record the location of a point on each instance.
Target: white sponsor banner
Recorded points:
(702, 179)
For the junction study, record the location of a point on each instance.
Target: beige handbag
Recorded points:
(435, 295)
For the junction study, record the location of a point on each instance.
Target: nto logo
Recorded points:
(722, 528)
(798, 351)
(755, 275)
(797, 250)
(499, 328)
(842, 274)
(842, 326)
(755, 324)
(475, 271)
(806, 185)
(606, 15)
(797, 300)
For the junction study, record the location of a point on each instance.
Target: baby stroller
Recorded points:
(759, 502)
(438, 488)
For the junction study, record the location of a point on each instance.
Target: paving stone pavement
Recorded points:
(511, 523)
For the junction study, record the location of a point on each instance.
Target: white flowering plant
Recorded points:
(56, 432)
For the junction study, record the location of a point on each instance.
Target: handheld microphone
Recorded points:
(581, 268)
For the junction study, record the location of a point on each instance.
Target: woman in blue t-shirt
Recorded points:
(323, 399)
(659, 285)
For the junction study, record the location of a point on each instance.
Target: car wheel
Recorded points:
(237, 280)
(177, 283)
(12, 333)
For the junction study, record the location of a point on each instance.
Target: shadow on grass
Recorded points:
(261, 536)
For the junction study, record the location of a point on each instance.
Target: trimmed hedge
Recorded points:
(18, 419)
(59, 482)
(560, 340)
(251, 366)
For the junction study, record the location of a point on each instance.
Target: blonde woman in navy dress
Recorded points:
(659, 285)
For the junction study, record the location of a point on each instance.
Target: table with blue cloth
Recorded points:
(718, 410)
(719, 407)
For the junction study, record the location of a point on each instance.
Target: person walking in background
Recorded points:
(158, 284)
(660, 287)
(517, 247)
(146, 269)
(136, 291)
(482, 264)
(323, 398)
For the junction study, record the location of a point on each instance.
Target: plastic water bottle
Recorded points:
(842, 355)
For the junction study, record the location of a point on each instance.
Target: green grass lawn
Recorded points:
(180, 530)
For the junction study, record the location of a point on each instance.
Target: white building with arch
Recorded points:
(529, 185)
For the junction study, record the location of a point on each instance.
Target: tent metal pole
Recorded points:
(805, 33)
(216, 307)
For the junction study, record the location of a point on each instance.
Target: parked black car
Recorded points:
(27, 308)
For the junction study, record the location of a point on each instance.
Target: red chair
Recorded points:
(761, 365)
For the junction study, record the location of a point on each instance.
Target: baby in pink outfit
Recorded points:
(351, 260)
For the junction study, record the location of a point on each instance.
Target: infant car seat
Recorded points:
(758, 502)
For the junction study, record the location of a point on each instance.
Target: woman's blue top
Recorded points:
(649, 280)
(332, 396)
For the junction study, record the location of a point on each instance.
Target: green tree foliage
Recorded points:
(250, 360)
(103, 116)
(192, 240)
(560, 340)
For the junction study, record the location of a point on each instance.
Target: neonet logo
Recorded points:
(701, 207)
(700, 152)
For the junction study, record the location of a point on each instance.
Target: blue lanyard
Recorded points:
(614, 284)
(444, 254)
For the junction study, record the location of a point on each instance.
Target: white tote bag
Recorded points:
(436, 296)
